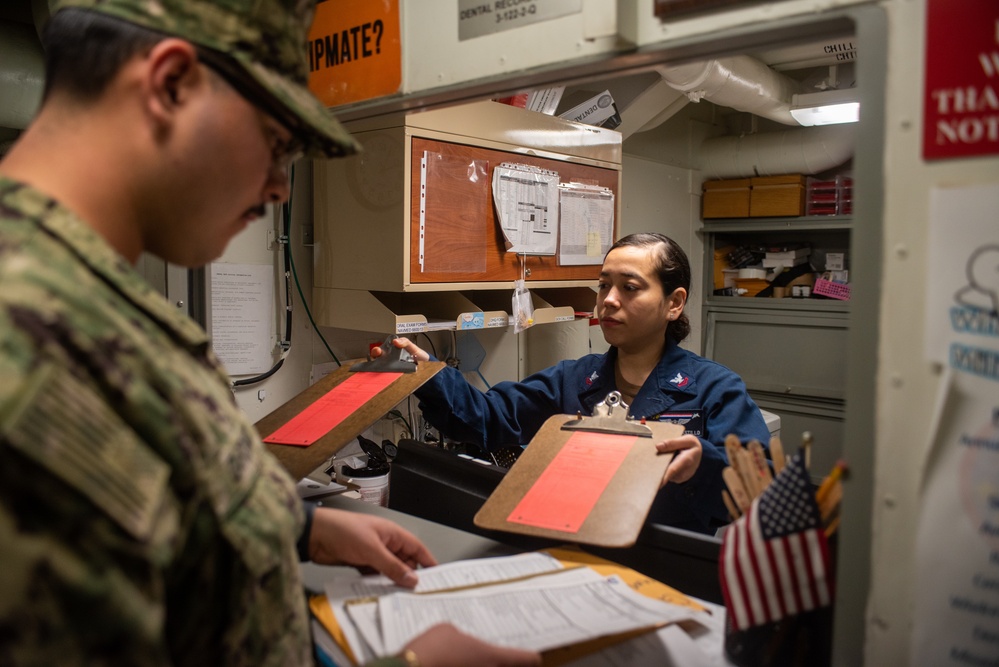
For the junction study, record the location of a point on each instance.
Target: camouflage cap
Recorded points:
(265, 38)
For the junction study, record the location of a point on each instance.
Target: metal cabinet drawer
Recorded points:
(802, 355)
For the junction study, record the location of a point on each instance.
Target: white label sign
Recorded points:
(477, 17)
(962, 304)
(410, 327)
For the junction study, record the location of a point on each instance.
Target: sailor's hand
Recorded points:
(404, 344)
(687, 459)
(363, 540)
(443, 645)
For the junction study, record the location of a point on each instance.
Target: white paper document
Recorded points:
(526, 199)
(242, 316)
(696, 644)
(956, 612)
(439, 577)
(544, 612)
(530, 601)
(586, 223)
(962, 289)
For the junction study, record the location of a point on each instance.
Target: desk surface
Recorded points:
(450, 544)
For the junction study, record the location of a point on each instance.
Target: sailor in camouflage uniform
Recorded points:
(142, 521)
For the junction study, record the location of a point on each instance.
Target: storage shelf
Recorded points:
(418, 312)
(790, 352)
(785, 304)
(810, 223)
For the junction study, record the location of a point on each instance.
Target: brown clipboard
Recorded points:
(620, 511)
(300, 461)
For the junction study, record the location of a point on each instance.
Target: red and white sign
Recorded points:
(961, 105)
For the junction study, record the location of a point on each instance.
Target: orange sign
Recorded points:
(355, 50)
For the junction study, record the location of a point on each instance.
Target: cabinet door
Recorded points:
(822, 419)
(794, 355)
(462, 242)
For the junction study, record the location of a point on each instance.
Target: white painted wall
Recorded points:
(662, 198)
(907, 385)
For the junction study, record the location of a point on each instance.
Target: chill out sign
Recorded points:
(355, 50)
(961, 105)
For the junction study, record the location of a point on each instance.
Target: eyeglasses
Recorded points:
(284, 151)
(276, 122)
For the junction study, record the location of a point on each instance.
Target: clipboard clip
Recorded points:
(609, 416)
(392, 360)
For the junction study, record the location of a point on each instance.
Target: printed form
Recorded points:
(586, 223)
(542, 611)
(526, 199)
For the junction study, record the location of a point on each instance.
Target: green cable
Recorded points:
(294, 273)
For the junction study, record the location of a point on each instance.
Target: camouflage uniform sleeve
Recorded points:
(86, 521)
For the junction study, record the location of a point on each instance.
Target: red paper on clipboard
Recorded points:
(336, 405)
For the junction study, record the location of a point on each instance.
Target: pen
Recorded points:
(830, 480)
(777, 454)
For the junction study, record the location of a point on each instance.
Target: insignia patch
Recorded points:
(680, 380)
(89, 447)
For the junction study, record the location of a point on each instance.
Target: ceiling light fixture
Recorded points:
(826, 108)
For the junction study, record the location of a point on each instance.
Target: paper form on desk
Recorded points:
(586, 223)
(336, 405)
(543, 613)
(531, 569)
(440, 577)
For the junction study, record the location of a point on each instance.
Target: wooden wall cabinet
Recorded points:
(387, 223)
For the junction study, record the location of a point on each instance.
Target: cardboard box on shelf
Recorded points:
(725, 199)
(752, 286)
(777, 196)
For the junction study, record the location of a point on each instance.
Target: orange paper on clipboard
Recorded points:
(581, 486)
(570, 486)
(325, 414)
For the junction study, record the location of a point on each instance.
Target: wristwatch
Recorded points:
(410, 657)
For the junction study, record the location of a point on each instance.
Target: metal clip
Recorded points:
(609, 416)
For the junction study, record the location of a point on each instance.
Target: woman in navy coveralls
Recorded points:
(643, 288)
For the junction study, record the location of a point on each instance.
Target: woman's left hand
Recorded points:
(687, 459)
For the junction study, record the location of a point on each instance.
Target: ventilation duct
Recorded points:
(740, 82)
(807, 150)
(22, 75)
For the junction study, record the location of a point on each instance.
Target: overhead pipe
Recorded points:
(807, 150)
(742, 83)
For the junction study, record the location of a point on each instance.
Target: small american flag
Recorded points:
(774, 559)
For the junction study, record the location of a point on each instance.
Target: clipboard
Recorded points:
(542, 496)
(299, 460)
